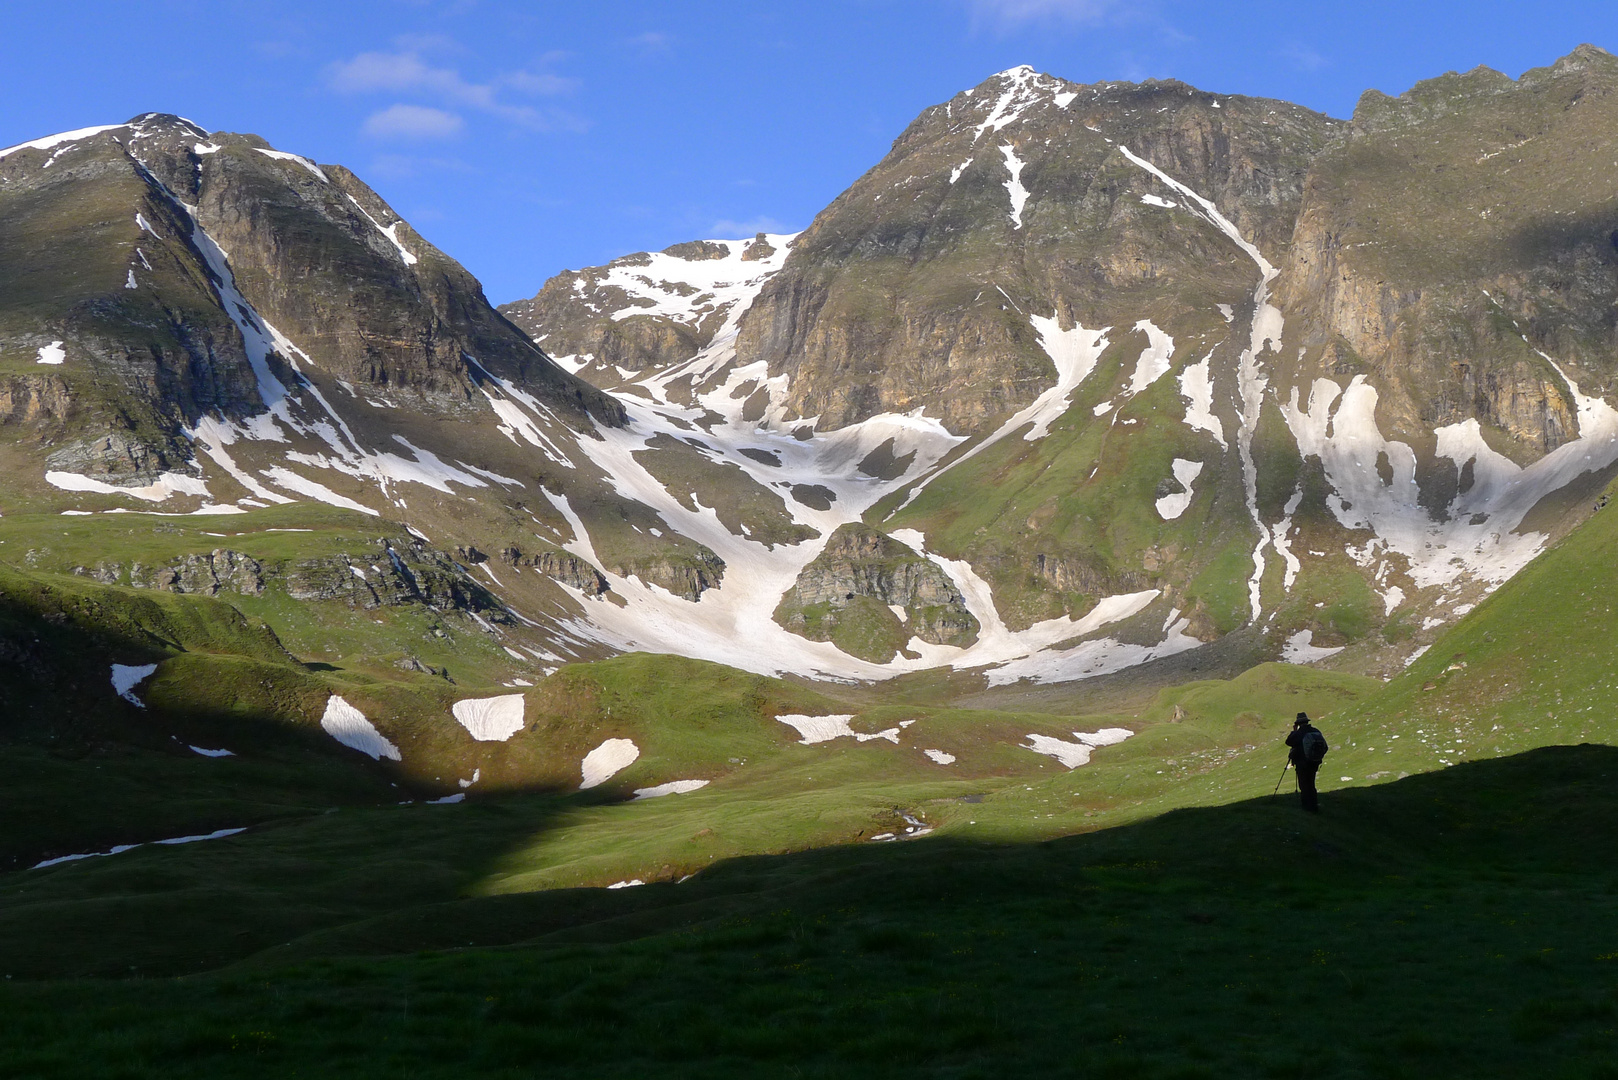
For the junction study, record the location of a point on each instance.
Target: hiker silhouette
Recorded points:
(1308, 750)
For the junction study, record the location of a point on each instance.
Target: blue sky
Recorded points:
(528, 137)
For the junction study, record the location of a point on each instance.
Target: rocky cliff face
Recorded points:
(385, 576)
(1455, 236)
(1014, 199)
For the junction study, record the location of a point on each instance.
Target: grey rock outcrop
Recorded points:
(860, 562)
(201, 575)
(562, 566)
(685, 575)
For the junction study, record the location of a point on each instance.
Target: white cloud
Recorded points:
(395, 166)
(727, 229)
(1010, 13)
(413, 122)
(1303, 58)
(652, 42)
(406, 72)
(541, 83)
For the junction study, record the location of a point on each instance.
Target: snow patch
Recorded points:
(602, 763)
(940, 757)
(1297, 650)
(818, 729)
(1172, 506)
(54, 353)
(126, 677)
(320, 492)
(165, 485)
(673, 787)
(50, 141)
(1477, 536)
(1154, 359)
(1074, 754)
(493, 719)
(349, 726)
(217, 834)
(1196, 386)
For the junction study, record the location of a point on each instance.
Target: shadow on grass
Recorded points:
(1456, 923)
(395, 880)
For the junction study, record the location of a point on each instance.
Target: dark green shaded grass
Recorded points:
(1453, 924)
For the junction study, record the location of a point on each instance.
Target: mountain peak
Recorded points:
(155, 123)
(1584, 57)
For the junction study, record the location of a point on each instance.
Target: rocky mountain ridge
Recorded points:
(1076, 378)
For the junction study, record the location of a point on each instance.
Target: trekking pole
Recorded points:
(1287, 765)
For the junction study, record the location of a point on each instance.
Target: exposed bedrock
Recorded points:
(562, 566)
(1459, 235)
(385, 576)
(685, 575)
(847, 593)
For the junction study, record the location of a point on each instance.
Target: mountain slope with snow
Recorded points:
(1064, 350)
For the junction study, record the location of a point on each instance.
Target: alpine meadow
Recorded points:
(856, 652)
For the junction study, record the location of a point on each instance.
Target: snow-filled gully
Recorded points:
(733, 623)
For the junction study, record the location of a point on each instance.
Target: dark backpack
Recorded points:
(1313, 746)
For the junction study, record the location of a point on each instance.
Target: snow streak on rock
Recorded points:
(1014, 186)
(1477, 535)
(1250, 379)
(691, 291)
(1025, 88)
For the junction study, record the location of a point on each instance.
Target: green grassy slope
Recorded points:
(1533, 665)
